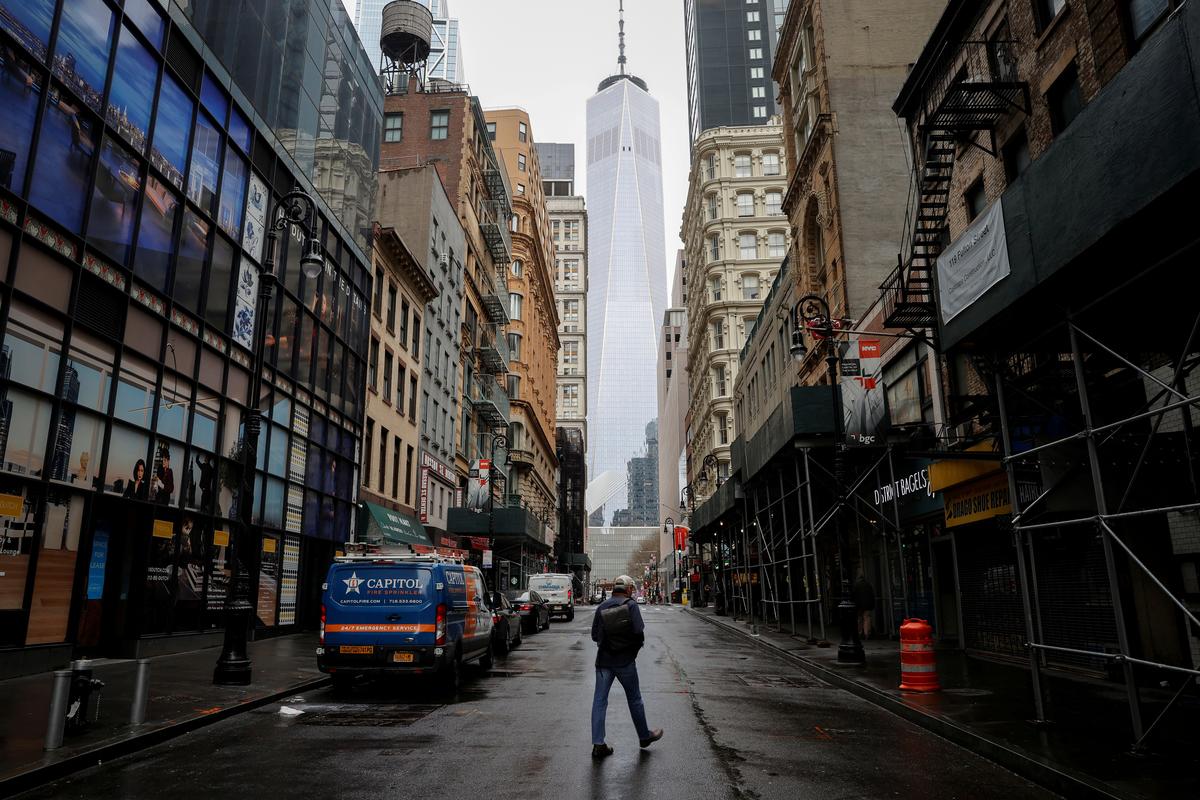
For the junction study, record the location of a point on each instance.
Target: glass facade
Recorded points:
(136, 181)
(445, 59)
(627, 276)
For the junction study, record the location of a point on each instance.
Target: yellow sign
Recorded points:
(164, 529)
(269, 545)
(338, 554)
(11, 505)
(221, 538)
(977, 500)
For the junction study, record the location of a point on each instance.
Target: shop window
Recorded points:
(174, 407)
(75, 452)
(135, 396)
(189, 575)
(17, 537)
(19, 99)
(273, 503)
(172, 130)
(91, 362)
(159, 582)
(155, 239)
(127, 473)
(49, 615)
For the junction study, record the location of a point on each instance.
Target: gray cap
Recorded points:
(623, 584)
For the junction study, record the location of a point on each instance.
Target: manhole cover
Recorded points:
(369, 716)
(774, 681)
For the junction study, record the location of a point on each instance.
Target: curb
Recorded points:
(1057, 779)
(38, 776)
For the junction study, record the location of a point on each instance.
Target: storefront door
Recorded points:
(107, 618)
(945, 592)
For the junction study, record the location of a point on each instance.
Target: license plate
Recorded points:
(364, 649)
(403, 658)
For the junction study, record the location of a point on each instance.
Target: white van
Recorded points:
(556, 589)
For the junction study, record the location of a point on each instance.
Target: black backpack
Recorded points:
(619, 636)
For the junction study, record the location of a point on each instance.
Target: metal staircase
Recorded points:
(976, 88)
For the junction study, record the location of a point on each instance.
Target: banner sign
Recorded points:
(864, 402)
(681, 535)
(977, 500)
(974, 263)
(423, 495)
(480, 487)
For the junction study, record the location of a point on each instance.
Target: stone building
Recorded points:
(735, 236)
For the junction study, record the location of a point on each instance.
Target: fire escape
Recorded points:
(974, 89)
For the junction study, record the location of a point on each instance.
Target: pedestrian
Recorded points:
(864, 602)
(619, 632)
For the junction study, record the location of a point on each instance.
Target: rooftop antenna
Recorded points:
(621, 36)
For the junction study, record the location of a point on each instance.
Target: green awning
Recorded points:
(381, 524)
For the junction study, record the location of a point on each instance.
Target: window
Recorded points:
(393, 293)
(975, 198)
(518, 269)
(750, 287)
(368, 447)
(378, 302)
(412, 398)
(714, 248)
(756, 73)
(387, 376)
(747, 246)
(401, 381)
(745, 204)
(714, 289)
(756, 54)
(721, 423)
(514, 306)
(776, 244)
(521, 161)
(770, 163)
(741, 166)
(710, 166)
(570, 358)
(520, 188)
(373, 364)
(393, 127)
(758, 91)
(1064, 99)
(408, 466)
(439, 124)
(760, 112)
(720, 385)
(383, 439)
(718, 336)
(751, 16)
(1045, 11)
(1016, 155)
(712, 206)
(514, 346)
(754, 35)
(1144, 16)
(774, 204)
(396, 469)
(416, 337)
(491, 131)
(404, 324)
(514, 387)
(522, 132)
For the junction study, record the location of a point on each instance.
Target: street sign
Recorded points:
(487, 558)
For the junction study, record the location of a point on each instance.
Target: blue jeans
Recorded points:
(628, 676)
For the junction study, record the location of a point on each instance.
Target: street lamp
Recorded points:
(498, 439)
(812, 312)
(669, 529)
(297, 209)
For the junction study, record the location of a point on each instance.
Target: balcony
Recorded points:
(521, 456)
(498, 240)
(493, 350)
(489, 401)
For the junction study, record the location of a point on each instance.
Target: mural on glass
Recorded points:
(244, 308)
(66, 147)
(146, 19)
(155, 243)
(114, 201)
(206, 164)
(28, 21)
(132, 91)
(81, 52)
(256, 218)
(20, 88)
(233, 192)
(172, 131)
(189, 267)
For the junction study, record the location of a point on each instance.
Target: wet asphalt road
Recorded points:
(739, 723)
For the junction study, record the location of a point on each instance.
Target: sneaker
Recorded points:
(654, 737)
(603, 750)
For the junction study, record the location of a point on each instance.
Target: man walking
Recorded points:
(864, 602)
(618, 630)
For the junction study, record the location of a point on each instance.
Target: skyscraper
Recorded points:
(445, 58)
(730, 48)
(627, 291)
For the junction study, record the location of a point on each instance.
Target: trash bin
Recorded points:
(82, 685)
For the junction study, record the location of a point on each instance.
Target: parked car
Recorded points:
(506, 623)
(402, 614)
(556, 590)
(535, 613)
(641, 598)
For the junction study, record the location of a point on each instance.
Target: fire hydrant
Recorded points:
(82, 686)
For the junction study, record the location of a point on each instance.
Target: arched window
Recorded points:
(814, 240)
(518, 269)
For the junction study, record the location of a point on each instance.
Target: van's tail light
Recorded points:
(526, 607)
(568, 595)
(439, 636)
(322, 639)
(495, 619)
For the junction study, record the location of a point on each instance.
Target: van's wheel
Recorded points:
(487, 659)
(343, 683)
(571, 615)
(449, 675)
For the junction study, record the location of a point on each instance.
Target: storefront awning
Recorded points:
(381, 524)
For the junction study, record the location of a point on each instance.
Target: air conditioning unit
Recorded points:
(444, 261)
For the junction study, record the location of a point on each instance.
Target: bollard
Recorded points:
(57, 724)
(141, 692)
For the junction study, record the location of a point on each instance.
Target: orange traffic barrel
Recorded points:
(918, 669)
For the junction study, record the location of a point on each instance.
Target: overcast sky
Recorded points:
(548, 56)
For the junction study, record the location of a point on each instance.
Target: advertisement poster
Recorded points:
(268, 581)
(864, 401)
(480, 484)
(245, 305)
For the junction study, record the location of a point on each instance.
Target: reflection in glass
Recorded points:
(173, 410)
(239, 130)
(20, 87)
(81, 52)
(135, 403)
(278, 451)
(29, 23)
(220, 275)
(204, 425)
(273, 506)
(66, 146)
(147, 20)
(29, 359)
(172, 131)
(114, 200)
(93, 383)
(76, 454)
(155, 242)
(132, 91)
(189, 267)
(206, 162)
(24, 422)
(200, 481)
(49, 616)
(233, 193)
(213, 97)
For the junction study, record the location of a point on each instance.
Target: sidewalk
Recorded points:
(182, 698)
(985, 706)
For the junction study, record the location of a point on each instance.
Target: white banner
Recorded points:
(974, 263)
(864, 405)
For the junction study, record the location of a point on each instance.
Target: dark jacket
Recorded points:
(864, 595)
(606, 658)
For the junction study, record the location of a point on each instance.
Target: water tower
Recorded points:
(404, 39)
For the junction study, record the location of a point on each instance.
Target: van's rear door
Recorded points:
(369, 603)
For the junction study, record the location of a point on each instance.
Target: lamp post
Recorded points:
(297, 209)
(669, 529)
(501, 440)
(812, 312)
